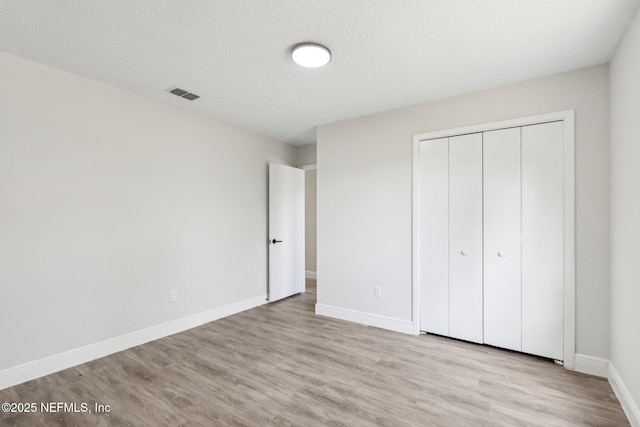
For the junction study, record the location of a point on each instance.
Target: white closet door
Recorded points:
(542, 240)
(502, 257)
(434, 236)
(465, 237)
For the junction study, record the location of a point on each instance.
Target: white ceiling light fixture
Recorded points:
(310, 55)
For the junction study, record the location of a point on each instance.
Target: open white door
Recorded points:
(286, 231)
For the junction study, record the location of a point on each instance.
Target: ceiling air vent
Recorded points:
(183, 93)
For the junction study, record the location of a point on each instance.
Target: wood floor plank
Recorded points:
(281, 365)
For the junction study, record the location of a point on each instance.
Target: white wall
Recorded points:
(108, 201)
(625, 211)
(364, 195)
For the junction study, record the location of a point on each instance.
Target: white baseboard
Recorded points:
(310, 274)
(629, 406)
(393, 324)
(48, 365)
(591, 365)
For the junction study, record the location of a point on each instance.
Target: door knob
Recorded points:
(464, 252)
(274, 241)
(500, 254)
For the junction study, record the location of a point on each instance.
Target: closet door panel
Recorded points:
(434, 236)
(502, 228)
(465, 237)
(542, 240)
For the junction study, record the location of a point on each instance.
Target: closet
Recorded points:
(491, 237)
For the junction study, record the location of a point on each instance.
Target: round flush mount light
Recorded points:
(310, 55)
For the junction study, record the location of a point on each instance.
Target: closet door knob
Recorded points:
(500, 254)
(464, 252)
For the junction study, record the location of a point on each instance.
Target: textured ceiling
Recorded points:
(386, 53)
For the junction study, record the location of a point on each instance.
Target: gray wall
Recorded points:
(364, 195)
(307, 156)
(625, 209)
(310, 210)
(108, 201)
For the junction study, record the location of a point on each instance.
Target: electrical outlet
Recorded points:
(172, 296)
(377, 291)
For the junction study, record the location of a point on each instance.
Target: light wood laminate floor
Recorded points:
(280, 365)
